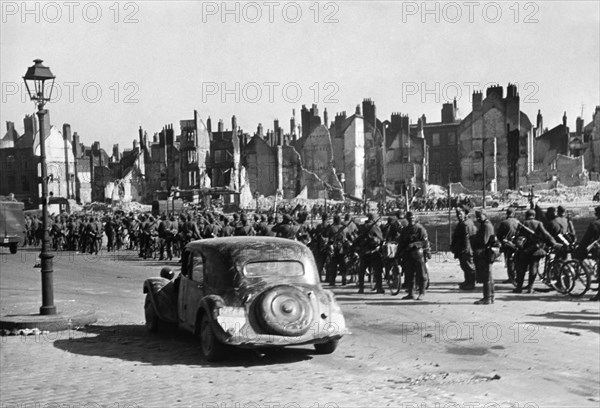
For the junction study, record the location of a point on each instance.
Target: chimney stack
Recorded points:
(67, 132)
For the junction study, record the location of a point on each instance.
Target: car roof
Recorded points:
(242, 250)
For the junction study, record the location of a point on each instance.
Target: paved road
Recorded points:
(539, 350)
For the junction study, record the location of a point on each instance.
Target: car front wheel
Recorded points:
(212, 348)
(13, 248)
(326, 348)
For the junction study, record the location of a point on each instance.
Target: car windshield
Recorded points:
(274, 268)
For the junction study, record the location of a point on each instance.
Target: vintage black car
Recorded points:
(247, 292)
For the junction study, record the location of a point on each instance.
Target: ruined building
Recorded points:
(194, 148)
(496, 141)
(592, 138)
(20, 160)
(162, 167)
(442, 143)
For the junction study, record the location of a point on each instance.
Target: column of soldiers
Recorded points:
(343, 246)
(523, 243)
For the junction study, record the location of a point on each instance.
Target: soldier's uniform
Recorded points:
(413, 248)
(461, 248)
(166, 241)
(286, 229)
(529, 255)
(109, 230)
(244, 228)
(319, 244)
(92, 232)
(228, 230)
(339, 242)
(480, 242)
(506, 233)
(367, 245)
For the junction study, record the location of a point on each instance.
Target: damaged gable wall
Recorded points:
(317, 165)
(570, 171)
(260, 162)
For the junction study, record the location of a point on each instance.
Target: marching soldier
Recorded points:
(367, 245)
(413, 248)
(244, 228)
(338, 240)
(319, 244)
(164, 232)
(228, 229)
(528, 257)
(481, 242)
(506, 233)
(461, 248)
(286, 228)
(92, 232)
(109, 230)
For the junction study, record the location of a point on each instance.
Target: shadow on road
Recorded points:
(134, 343)
(584, 320)
(539, 296)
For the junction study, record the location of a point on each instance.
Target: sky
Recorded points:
(122, 65)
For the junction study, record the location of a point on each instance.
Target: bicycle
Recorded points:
(552, 273)
(581, 273)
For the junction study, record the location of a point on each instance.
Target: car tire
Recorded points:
(212, 348)
(13, 248)
(152, 319)
(326, 348)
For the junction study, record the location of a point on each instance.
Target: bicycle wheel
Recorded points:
(394, 280)
(580, 277)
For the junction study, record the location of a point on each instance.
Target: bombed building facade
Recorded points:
(354, 156)
(496, 141)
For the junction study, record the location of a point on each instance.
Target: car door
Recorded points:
(194, 289)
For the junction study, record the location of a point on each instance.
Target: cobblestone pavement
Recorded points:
(538, 350)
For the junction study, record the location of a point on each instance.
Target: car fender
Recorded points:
(209, 306)
(163, 297)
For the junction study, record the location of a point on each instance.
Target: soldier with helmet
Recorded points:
(483, 239)
(413, 249)
(286, 229)
(367, 245)
(505, 234)
(319, 244)
(164, 235)
(533, 235)
(244, 228)
(461, 248)
(339, 242)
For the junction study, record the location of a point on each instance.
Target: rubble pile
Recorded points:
(133, 206)
(434, 192)
(562, 193)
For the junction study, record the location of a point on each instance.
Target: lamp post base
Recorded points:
(47, 310)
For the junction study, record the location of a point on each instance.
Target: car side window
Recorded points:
(197, 268)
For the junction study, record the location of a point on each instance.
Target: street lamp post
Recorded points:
(35, 79)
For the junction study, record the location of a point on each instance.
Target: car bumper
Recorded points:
(241, 333)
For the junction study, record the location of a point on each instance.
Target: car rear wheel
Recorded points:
(284, 310)
(13, 248)
(212, 348)
(151, 316)
(326, 348)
